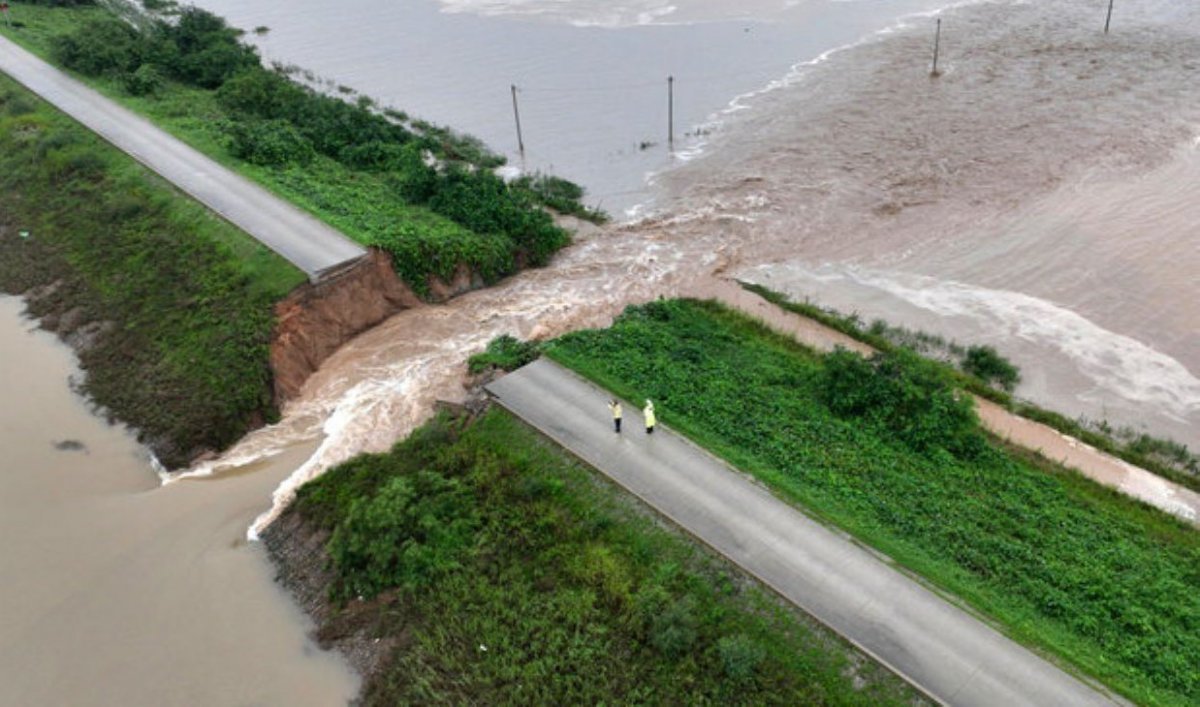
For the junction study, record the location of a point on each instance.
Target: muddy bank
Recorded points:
(297, 551)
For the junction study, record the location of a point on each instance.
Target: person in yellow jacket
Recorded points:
(648, 412)
(614, 406)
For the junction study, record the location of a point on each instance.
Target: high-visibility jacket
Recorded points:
(649, 413)
(616, 410)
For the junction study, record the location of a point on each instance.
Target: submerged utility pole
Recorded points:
(1108, 19)
(517, 118)
(671, 112)
(937, 41)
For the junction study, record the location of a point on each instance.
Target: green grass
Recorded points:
(513, 575)
(35, 25)
(1061, 563)
(181, 300)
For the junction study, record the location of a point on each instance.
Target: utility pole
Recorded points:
(1108, 19)
(517, 118)
(671, 112)
(937, 42)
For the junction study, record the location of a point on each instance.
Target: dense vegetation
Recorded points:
(504, 352)
(423, 193)
(517, 577)
(173, 304)
(981, 367)
(1061, 562)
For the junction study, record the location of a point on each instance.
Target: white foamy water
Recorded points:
(857, 159)
(1118, 367)
(960, 205)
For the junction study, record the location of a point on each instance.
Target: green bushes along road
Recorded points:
(423, 193)
(512, 575)
(887, 451)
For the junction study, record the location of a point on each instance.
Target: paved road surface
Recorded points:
(945, 651)
(303, 240)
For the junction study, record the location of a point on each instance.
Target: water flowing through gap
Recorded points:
(852, 179)
(841, 173)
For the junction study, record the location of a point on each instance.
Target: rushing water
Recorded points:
(114, 590)
(1042, 195)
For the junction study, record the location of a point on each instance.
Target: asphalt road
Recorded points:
(950, 654)
(300, 238)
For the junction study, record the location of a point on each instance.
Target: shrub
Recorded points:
(412, 531)
(504, 352)
(146, 81)
(375, 156)
(673, 632)
(559, 194)
(260, 93)
(906, 395)
(414, 181)
(212, 65)
(271, 143)
(740, 657)
(985, 363)
(107, 46)
(205, 52)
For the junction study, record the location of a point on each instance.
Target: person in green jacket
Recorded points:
(648, 412)
(614, 406)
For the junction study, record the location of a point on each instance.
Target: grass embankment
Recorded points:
(184, 298)
(424, 194)
(1060, 562)
(1165, 457)
(515, 576)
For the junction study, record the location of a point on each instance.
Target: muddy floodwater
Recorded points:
(115, 590)
(1042, 195)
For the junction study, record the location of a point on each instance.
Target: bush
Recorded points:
(259, 93)
(414, 529)
(376, 156)
(271, 143)
(504, 352)
(483, 203)
(740, 657)
(906, 395)
(985, 363)
(146, 81)
(205, 52)
(212, 65)
(414, 181)
(107, 46)
(559, 194)
(673, 632)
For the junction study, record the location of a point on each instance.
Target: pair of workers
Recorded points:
(614, 406)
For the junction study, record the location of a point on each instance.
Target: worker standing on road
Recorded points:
(615, 407)
(648, 412)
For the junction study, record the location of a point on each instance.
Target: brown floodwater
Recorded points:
(1041, 195)
(116, 590)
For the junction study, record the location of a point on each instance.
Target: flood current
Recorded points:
(1042, 196)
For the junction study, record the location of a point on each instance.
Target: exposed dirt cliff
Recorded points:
(318, 318)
